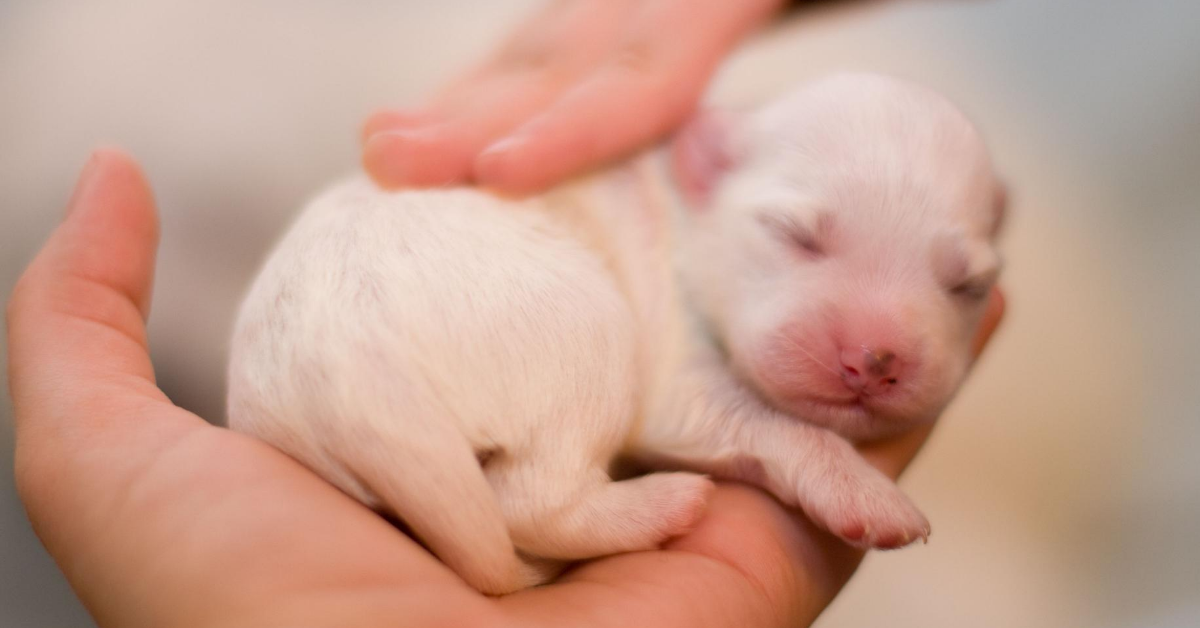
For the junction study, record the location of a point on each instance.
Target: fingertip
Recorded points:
(97, 267)
(495, 166)
(490, 164)
(992, 316)
(113, 195)
(111, 227)
(111, 166)
(997, 305)
(607, 117)
(114, 154)
(525, 163)
(374, 159)
(413, 158)
(118, 161)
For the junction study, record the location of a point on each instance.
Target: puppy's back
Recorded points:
(392, 337)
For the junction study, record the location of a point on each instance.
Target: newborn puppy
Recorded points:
(745, 304)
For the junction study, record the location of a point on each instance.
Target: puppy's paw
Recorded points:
(680, 499)
(866, 509)
(537, 570)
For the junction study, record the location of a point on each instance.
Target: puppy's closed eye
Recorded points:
(808, 237)
(972, 290)
(977, 285)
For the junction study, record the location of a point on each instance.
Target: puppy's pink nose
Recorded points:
(870, 369)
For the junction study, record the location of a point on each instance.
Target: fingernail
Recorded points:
(394, 120)
(424, 134)
(489, 162)
(386, 156)
(407, 135)
(87, 177)
(503, 146)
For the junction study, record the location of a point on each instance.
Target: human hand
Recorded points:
(159, 519)
(582, 83)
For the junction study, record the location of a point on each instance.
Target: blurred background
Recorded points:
(1064, 482)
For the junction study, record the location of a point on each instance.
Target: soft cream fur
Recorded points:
(474, 365)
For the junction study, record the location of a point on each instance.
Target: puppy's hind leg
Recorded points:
(432, 480)
(572, 514)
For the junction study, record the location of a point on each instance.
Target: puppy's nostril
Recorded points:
(851, 371)
(878, 362)
(891, 380)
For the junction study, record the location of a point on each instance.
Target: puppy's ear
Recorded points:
(702, 152)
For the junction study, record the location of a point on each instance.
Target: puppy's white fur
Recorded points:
(473, 365)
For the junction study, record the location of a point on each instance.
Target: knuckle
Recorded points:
(639, 56)
(524, 57)
(537, 61)
(532, 53)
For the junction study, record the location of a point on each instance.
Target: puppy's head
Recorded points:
(840, 245)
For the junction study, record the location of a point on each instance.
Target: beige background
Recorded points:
(1063, 485)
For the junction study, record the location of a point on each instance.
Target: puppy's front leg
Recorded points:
(719, 427)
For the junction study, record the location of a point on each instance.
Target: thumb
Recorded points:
(76, 320)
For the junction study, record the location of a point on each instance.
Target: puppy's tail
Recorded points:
(429, 477)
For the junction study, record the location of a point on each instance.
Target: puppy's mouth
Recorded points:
(860, 407)
(853, 415)
(804, 404)
(824, 402)
(849, 401)
(861, 401)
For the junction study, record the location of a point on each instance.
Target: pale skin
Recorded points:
(135, 498)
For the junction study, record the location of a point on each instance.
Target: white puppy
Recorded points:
(776, 285)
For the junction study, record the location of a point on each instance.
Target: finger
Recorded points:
(150, 511)
(77, 315)
(169, 524)
(77, 348)
(992, 316)
(748, 563)
(78, 364)
(437, 146)
(624, 106)
(645, 89)
(893, 455)
(395, 120)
